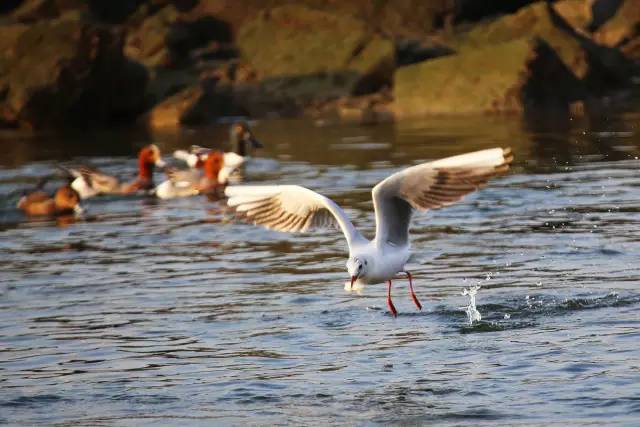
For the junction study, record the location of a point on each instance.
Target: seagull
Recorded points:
(432, 185)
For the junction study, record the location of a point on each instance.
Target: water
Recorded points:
(148, 312)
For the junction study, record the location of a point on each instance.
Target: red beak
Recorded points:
(353, 279)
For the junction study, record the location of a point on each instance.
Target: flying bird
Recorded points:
(432, 185)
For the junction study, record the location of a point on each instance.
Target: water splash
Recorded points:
(472, 312)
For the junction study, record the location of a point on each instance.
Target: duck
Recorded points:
(90, 182)
(65, 201)
(241, 140)
(184, 183)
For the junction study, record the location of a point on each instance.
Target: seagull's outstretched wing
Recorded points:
(289, 208)
(430, 186)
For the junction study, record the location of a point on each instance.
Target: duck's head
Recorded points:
(213, 165)
(67, 200)
(357, 266)
(151, 156)
(242, 138)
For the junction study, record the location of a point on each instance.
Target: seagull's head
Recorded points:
(357, 267)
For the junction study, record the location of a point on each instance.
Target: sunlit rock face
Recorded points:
(527, 60)
(67, 72)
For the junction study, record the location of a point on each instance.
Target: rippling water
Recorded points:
(151, 311)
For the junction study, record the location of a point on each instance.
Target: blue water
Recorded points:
(149, 312)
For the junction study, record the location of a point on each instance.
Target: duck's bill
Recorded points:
(255, 143)
(248, 137)
(160, 163)
(78, 210)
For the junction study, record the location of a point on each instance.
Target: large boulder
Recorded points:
(306, 53)
(508, 77)
(69, 72)
(600, 68)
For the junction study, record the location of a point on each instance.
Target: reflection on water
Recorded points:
(149, 311)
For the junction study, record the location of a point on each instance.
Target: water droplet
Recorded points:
(472, 312)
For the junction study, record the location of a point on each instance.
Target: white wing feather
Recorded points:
(430, 186)
(289, 208)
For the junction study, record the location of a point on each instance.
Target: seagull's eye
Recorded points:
(365, 263)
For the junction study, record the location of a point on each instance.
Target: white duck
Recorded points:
(432, 185)
(211, 176)
(241, 140)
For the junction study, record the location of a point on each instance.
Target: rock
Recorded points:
(9, 35)
(166, 37)
(413, 51)
(113, 11)
(598, 67)
(622, 28)
(70, 72)
(195, 105)
(508, 77)
(366, 109)
(9, 5)
(631, 49)
(576, 13)
(147, 43)
(411, 19)
(313, 53)
(31, 11)
(602, 11)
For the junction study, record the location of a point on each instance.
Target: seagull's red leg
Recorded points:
(392, 308)
(413, 294)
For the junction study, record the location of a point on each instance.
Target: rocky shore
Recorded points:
(168, 63)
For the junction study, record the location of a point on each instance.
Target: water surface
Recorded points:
(147, 312)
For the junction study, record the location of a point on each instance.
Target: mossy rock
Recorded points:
(335, 54)
(508, 77)
(536, 20)
(600, 68)
(70, 72)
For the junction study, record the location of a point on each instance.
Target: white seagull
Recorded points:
(432, 185)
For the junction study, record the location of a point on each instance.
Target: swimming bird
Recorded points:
(432, 185)
(39, 203)
(90, 182)
(184, 183)
(241, 139)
